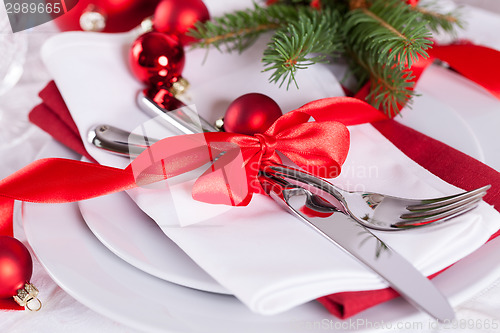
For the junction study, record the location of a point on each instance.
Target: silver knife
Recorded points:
(304, 202)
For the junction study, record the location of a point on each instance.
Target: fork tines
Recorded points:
(433, 210)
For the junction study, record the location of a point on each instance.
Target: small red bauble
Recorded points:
(157, 59)
(16, 266)
(176, 17)
(250, 114)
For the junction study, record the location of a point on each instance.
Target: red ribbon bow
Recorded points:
(320, 147)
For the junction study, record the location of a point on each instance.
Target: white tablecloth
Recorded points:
(62, 313)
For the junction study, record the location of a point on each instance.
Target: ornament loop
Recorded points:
(267, 143)
(38, 305)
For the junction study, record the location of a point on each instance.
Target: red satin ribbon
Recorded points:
(320, 147)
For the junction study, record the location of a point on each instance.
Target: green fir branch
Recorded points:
(389, 32)
(392, 91)
(390, 86)
(238, 30)
(311, 39)
(381, 39)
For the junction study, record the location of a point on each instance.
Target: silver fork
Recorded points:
(380, 211)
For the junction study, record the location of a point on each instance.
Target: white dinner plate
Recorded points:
(133, 236)
(89, 272)
(433, 117)
(93, 275)
(478, 111)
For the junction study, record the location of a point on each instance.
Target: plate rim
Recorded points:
(205, 283)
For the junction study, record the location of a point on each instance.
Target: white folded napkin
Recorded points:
(270, 260)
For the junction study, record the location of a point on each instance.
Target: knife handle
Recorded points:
(118, 141)
(162, 104)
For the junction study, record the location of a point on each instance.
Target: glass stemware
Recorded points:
(13, 49)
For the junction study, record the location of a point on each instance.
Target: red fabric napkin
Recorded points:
(53, 117)
(452, 166)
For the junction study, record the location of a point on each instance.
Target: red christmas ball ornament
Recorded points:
(157, 59)
(178, 16)
(16, 266)
(251, 113)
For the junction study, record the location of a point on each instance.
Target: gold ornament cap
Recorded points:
(27, 296)
(92, 19)
(179, 87)
(147, 24)
(219, 124)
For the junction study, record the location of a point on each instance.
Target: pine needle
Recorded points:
(237, 31)
(300, 44)
(388, 32)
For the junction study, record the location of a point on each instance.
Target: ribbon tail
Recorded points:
(6, 213)
(475, 62)
(57, 180)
